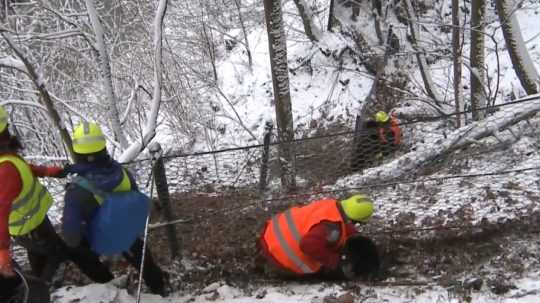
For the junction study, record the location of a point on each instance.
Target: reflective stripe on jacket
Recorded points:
(285, 230)
(99, 195)
(31, 205)
(124, 186)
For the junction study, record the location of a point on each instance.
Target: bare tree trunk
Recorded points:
(149, 131)
(38, 81)
(211, 50)
(246, 40)
(420, 56)
(478, 93)
(376, 13)
(331, 17)
(105, 69)
(280, 78)
(371, 98)
(311, 30)
(458, 62)
(521, 59)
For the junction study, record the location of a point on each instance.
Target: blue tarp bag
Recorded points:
(119, 220)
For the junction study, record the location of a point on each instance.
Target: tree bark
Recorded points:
(477, 57)
(521, 59)
(280, 77)
(331, 17)
(311, 30)
(106, 74)
(458, 62)
(431, 90)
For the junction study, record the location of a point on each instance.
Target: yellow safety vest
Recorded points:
(124, 186)
(31, 205)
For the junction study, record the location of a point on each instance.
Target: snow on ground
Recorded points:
(314, 86)
(527, 291)
(315, 98)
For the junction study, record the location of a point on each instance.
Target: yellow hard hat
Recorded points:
(358, 208)
(3, 119)
(88, 138)
(381, 117)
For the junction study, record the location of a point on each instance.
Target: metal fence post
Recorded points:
(265, 156)
(162, 189)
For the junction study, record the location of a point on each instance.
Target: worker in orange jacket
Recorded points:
(388, 129)
(381, 136)
(313, 239)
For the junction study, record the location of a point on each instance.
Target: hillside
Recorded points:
(457, 208)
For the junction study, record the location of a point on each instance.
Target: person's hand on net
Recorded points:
(61, 172)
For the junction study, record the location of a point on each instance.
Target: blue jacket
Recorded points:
(80, 204)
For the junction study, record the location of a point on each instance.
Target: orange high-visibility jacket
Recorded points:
(394, 128)
(285, 230)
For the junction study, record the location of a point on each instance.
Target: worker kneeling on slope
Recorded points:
(104, 209)
(319, 239)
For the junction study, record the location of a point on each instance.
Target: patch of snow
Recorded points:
(527, 290)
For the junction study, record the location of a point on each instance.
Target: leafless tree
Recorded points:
(458, 62)
(282, 98)
(477, 59)
(422, 62)
(244, 31)
(521, 59)
(311, 29)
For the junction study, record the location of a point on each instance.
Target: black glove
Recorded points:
(65, 172)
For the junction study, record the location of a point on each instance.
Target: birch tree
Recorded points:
(517, 49)
(105, 69)
(280, 77)
(150, 129)
(311, 29)
(477, 57)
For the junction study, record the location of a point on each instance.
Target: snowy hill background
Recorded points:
(327, 93)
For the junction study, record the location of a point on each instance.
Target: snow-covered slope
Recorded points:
(317, 94)
(526, 291)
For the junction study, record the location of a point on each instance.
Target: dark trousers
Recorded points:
(153, 275)
(13, 289)
(46, 251)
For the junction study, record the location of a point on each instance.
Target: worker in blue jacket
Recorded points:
(99, 174)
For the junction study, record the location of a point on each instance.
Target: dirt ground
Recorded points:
(219, 243)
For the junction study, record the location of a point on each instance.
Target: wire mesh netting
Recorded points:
(432, 182)
(429, 176)
(427, 168)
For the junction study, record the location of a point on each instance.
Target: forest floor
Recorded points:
(218, 245)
